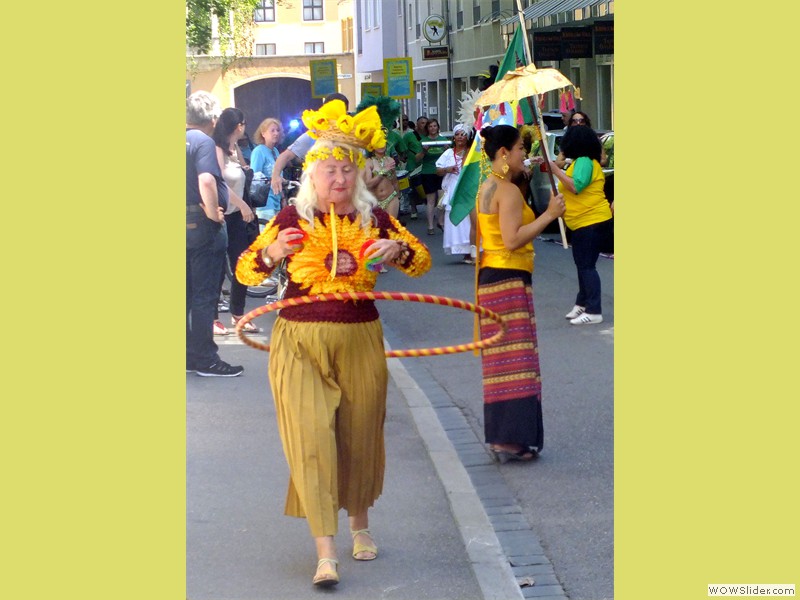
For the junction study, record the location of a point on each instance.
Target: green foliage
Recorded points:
(235, 22)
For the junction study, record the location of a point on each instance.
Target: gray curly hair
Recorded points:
(202, 108)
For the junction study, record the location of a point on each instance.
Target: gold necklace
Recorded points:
(496, 174)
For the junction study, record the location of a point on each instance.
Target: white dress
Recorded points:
(456, 237)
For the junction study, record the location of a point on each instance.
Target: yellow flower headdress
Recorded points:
(332, 123)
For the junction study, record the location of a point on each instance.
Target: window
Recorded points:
(476, 11)
(373, 14)
(459, 14)
(495, 7)
(265, 50)
(265, 12)
(347, 34)
(312, 10)
(315, 48)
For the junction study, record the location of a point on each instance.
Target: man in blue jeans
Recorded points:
(206, 237)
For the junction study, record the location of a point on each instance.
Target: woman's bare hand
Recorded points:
(384, 249)
(217, 216)
(556, 206)
(276, 184)
(289, 241)
(247, 214)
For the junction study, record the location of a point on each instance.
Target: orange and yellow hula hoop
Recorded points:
(398, 296)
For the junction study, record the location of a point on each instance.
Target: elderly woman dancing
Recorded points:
(327, 367)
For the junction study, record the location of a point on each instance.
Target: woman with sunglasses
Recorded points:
(229, 128)
(579, 118)
(587, 215)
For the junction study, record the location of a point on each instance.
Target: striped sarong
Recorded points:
(512, 383)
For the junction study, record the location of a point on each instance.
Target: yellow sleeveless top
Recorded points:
(495, 253)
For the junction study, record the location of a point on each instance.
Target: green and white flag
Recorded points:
(469, 179)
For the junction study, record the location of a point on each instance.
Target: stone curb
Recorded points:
(461, 460)
(488, 560)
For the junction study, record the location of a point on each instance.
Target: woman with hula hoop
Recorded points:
(327, 367)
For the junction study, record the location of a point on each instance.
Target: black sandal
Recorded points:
(503, 456)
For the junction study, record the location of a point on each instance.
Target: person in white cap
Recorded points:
(456, 239)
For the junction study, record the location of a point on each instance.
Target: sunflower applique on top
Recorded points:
(311, 268)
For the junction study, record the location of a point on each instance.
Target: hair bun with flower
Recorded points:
(331, 122)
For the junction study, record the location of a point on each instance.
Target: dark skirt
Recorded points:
(512, 383)
(431, 182)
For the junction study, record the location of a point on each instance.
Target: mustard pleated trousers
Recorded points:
(329, 383)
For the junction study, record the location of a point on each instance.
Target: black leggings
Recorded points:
(237, 243)
(586, 245)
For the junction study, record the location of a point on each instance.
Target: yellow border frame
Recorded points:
(314, 67)
(388, 79)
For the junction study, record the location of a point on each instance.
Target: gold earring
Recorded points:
(504, 168)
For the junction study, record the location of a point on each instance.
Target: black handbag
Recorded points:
(248, 179)
(258, 191)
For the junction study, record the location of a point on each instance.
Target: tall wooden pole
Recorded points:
(450, 99)
(537, 121)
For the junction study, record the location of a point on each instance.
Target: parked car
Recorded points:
(552, 120)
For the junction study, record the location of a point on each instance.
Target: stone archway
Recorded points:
(284, 98)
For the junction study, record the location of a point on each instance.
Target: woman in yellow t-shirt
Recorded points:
(588, 216)
(512, 382)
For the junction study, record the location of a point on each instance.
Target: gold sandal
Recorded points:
(327, 579)
(358, 548)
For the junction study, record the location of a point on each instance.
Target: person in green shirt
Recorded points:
(431, 182)
(413, 148)
(395, 146)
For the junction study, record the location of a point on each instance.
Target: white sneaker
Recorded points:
(587, 319)
(576, 311)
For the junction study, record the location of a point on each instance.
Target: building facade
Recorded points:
(476, 34)
(577, 38)
(452, 45)
(276, 80)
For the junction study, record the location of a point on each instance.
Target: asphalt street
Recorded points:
(567, 495)
(451, 523)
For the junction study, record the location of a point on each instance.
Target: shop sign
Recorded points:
(576, 42)
(604, 37)
(435, 52)
(546, 46)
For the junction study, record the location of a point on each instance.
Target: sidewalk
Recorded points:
(435, 539)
